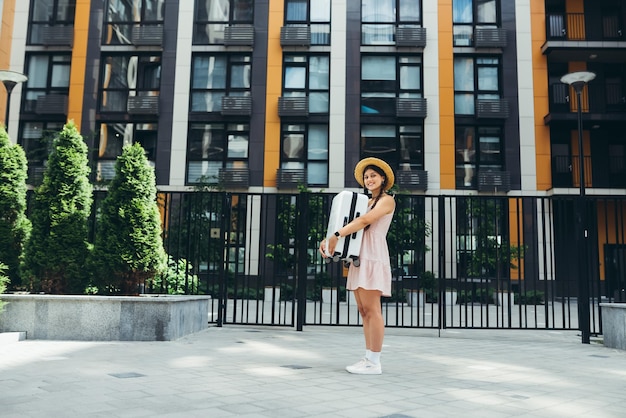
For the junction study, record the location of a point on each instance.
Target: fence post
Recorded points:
(442, 263)
(302, 238)
(223, 289)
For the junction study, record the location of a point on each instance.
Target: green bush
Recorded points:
(14, 225)
(483, 296)
(178, 279)
(57, 249)
(129, 247)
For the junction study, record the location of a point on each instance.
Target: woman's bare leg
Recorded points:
(368, 302)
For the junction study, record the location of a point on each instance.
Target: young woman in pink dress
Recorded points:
(372, 278)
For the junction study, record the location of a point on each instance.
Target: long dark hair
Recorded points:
(382, 186)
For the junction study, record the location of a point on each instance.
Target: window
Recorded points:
(49, 13)
(477, 148)
(216, 76)
(125, 76)
(475, 79)
(212, 16)
(401, 146)
(467, 15)
(308, 76)
(47, 74)
(114, 136)
(213, 146)
(380, 18)
(387, 77)
(36, 140)
(305, 147)
(121, 16)
(301, 13)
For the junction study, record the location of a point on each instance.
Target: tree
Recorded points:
(55, 254)
(14, 225)
(3, 284)
(129, 247)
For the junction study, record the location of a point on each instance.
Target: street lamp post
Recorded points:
(578, 80)
(10, 79)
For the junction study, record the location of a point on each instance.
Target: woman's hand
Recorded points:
(331, 242)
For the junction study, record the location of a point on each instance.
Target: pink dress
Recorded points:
(374, 272)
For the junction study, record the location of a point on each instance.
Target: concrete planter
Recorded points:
(614, 325)
(105, 318)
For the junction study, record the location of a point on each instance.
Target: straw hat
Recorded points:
(365, 162)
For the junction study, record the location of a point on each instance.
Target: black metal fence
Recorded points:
(457, 261)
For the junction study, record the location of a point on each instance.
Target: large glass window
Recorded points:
(128, 75)
(401, 146)
(47, 74)
(467, 15)
(114, 136)
(122, 15)
(313, 13)
(387, 77)
(46, 13)
(216, 76)
(213, 146)
(212, 16)
(305, 147)
(380, 18)
(477, 148)
(308, 76)
(475, 79)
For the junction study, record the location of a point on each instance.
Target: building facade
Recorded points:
(461, 97)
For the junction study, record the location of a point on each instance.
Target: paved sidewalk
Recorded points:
(279, 372)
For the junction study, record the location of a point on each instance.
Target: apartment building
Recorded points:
(461, 97)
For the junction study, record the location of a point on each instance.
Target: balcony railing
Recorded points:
(147, 35)
(290, 178)
(494, 181)
(51, 104)
(57, 35)
(411, 108)
(566, 172)
(606, 97)
(234, 177)
(492, 109)
(239, 35)
(143, 105)
(412, 179)
(295, 35)
(237, 105)
(410, 37)
(490, 38)
(575, 27)
(293, 106)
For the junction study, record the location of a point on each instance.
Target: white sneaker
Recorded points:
(365, 367)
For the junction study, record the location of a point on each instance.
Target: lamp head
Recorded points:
(578, 79)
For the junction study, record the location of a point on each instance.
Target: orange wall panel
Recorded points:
(274, 88)
(79, 62)
(446, 96)
(6, 40)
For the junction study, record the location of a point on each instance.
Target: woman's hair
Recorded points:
(382, 173)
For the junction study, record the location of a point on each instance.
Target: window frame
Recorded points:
(49, 88)
(386, 29)
(303, 162)
(471, 25)
(469, 160)
(476, 92)
(200, 25)
(306, 90)
(34, 23)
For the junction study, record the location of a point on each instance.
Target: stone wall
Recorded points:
(104, 318)
(614, 325)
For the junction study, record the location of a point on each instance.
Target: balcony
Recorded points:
(411, 108)
(603, 172)
(143, 105)
(239, 35)
(57, 35)
(236, 105)
(51, 104)
(147, 35)
(234, 177)
(490, 38)
(412, 179)
(293, 106)
(492, 109)
(295, 35)
(603, 100)
(575, 36)
(494, 181)
(410, 37)
(290, 178)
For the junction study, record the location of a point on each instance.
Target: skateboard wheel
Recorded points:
(356, 263)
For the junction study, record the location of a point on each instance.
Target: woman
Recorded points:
(372, 279)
